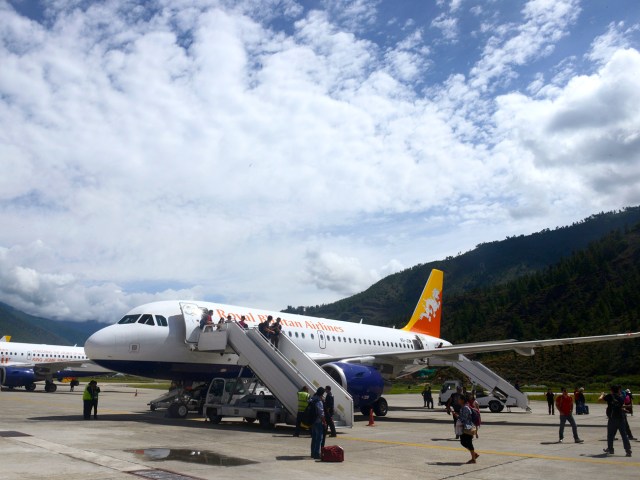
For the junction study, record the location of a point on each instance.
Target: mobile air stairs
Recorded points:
(283, 371)
(484, 376)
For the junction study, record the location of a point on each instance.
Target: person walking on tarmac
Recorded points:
(303, 401)
(617, 419)
(319, 424)
(564, 404)
(329, 405)
(550, 401)
(90, 400)
(427, 397)
(454, 403)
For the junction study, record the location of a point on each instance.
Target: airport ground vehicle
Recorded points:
(180, 401)
(243, 398)
(495, 401)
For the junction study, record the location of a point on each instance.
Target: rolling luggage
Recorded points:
(586, 410)
(334, 453)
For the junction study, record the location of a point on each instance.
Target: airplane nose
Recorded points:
(100, 345)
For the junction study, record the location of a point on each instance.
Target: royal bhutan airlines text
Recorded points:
(249, 316)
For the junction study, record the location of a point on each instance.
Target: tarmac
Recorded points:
(43, 436)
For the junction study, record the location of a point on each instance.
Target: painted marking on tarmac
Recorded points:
(600, 461)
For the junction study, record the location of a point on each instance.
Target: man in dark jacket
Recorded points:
(328, 411)
(454, 404)
(318, 426)
(617, 418)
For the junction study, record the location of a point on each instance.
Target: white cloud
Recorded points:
(447, 25)
(344, 275)
(546, 22)
(199, 150)
(584, 137)
(616, 38)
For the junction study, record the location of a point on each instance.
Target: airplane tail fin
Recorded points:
(6, 338)
(426, 317)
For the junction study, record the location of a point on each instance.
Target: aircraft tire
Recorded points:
(249, 420)
(50, 387)
(495, 406)
(30, 387)
(381, 407)
(365, 410)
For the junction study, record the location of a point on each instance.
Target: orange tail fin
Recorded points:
(426, 317)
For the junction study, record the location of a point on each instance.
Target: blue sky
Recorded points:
(282, 152)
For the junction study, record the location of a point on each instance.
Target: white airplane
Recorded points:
(23, 364)
(153, 340)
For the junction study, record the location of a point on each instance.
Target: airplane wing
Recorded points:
(51, 368)
(452, 352)
(46, 369)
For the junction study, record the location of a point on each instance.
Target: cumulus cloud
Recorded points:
(616, 38)
(270, 154)
(342, 274)
(545, 23)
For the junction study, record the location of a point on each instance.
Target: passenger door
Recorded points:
(322, 339)
(192, 314)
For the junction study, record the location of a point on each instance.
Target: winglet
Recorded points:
(6, 338)
(426, 317)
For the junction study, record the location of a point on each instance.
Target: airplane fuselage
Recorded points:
(157, 345)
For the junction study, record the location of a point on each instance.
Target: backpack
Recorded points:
(475, 416)
(627, 398)
(310, 414)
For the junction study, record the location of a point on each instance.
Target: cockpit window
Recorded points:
(161, 320)
(129, 319)
(146, 319)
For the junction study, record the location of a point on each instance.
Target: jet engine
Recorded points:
(363, 382)
(18, 377)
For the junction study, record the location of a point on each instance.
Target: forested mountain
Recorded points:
(595, 291)
(572, 281)
(29, 329)
(391, 300)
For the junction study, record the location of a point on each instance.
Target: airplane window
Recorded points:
(146, 319)
(312, 337)
(296, 334)
(339, 339)
(334, 338)
(302, 334)
(290, 333)
(129, 319)
(349, 339)
(161, 321)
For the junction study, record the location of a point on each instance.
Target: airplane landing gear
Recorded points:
(30, 387)
(50, 387)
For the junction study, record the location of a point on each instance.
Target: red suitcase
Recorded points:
(334, 453)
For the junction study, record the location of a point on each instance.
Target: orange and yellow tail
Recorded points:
(426, 317)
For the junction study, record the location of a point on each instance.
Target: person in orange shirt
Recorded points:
(564, 404)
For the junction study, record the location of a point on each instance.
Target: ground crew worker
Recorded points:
(303, 401)
(90, 400)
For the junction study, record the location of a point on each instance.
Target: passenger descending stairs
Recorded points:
(482, 375)
(283, 371)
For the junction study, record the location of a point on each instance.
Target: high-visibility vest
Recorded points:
(303, 401)
(87, 394)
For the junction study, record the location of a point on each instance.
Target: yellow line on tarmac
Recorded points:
(601, 461)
